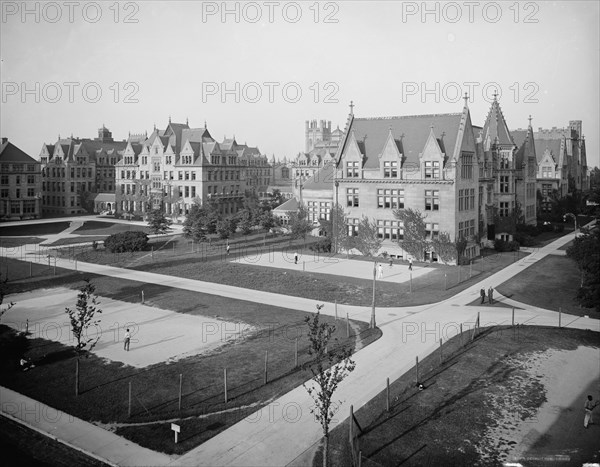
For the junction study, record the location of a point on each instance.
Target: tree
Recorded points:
(367, 240)
(5, 308)
(194, 225)
(83, 316)
(245, 221)
(585, 251)
(266, 220)
(226, 227)
(414, 242)
(299, 223)
(331, 364)
(120, 242)
(444, 247)
(157, 222)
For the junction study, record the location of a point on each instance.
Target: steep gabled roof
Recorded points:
(11, 153)
(321, 180)
(526, 145)
(553, 145)
(290, 205)
(495, 127)
(410, 133)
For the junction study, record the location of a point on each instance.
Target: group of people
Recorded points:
(490, 294)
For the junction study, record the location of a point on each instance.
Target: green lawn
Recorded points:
(32, 230)
(104, 385)
(10, 242)
(107, 228)
(442, 424)
(550, 283)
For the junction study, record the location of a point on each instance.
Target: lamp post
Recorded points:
(573, 216)
(373, 303)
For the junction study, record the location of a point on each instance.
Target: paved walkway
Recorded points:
(284, 430)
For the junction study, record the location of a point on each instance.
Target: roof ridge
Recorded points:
(453, 114)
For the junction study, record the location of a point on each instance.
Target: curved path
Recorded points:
(285, 430)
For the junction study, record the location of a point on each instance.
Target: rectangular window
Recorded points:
(504, 207)
(390, 199)
(504, 161)
(504, 183)
(353, 227)
(352, 197)
(432, 169)
(352, 169)
(432, 200)
(390, 169)
(432, 231)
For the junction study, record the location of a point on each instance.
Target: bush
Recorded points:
(501, 245)
(524, 240)
(323, 245)
(126, 241)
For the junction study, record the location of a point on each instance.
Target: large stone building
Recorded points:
(173, 168)
(78, 174)
(20, 184)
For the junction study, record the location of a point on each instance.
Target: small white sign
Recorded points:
(175, 428)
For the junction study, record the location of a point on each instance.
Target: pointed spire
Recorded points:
(495, 95)
(205, 124)
(351, 107)
(466, 98)
(529, 121)
(154, 126)
(169, 119)
(187, 121)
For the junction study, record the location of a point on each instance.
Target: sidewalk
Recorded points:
(285, 429)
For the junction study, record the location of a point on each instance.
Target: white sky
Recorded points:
(372, 55)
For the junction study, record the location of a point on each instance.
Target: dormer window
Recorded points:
(390, 169)
(432, 169)
(352, 169)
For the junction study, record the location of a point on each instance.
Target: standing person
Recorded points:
(491, 295)
(482, 293)
(295, 258)
(410, 264)
(380, 268)
(227, 249)
(391, 261)
(127, 340)
(589, 406)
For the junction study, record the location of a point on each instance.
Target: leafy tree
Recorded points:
(245, 221)
(367, 241)
(226, 227)
(414, 242)
(585, 251)
(336, 228)
(444, 247)
(83, 316)
(299, 223)
(194, 226)
(5, 308)
(266, 220)
(158, 223)
(212, 216)
(331, 365)
(126, 241)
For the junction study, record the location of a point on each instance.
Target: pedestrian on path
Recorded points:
(391, 261)
(295, 258)
(380, 268)
(482, 293)
(491, 295)
(589, 406)
(127, 340)
(227, 249)
(410, 264)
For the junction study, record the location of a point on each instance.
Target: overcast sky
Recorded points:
(68, 69)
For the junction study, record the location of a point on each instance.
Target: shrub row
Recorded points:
(126, 241)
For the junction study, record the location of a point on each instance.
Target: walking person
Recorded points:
(491, 295)
(482, 293)
(380, 269)
(589, 406)
(295, 258)
(227, 249)
(410, 264)
(127, 340)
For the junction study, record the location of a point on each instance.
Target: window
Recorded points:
(432, 200)
(30, 179)
(390, 169)
(193, 192)
(503, 211)
(547, 172)
(432, 231)
(30, 192)
(432, 169)
(390, 199)
(187, 175)
(352, 197)
(353, 227)
(187, 191)
(504, 161)
(4, 193)
(466, 166)
(480, 196)
(390, 230)
(352, 169)
(504, 183)
(546, 189)
(4, 180)
(193, 175)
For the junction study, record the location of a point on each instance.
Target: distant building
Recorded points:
(76, 170)
(20, 183)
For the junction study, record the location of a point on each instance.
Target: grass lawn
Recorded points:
(107, 228)
(32, 230)
(179, 257)
(76, 240)
(104, 385)
(24, 447)
(550, 283)
(8, 242)
(444, 423)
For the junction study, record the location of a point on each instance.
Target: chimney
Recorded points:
(4, 140)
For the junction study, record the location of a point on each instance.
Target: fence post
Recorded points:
(296, 359)
(470, 268)
(266, 363)
(142, 297)
(445, 281)
(417, 368)
(388, 394)
(31, 266)
(336, 309)
(461, 334)
(559, 316)
(77, 377)
(173, 245)
(513, 316)
(441, 356)
(152, 252)
(180, 384)
(225, 382)
(410, 290)
(129, 404)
